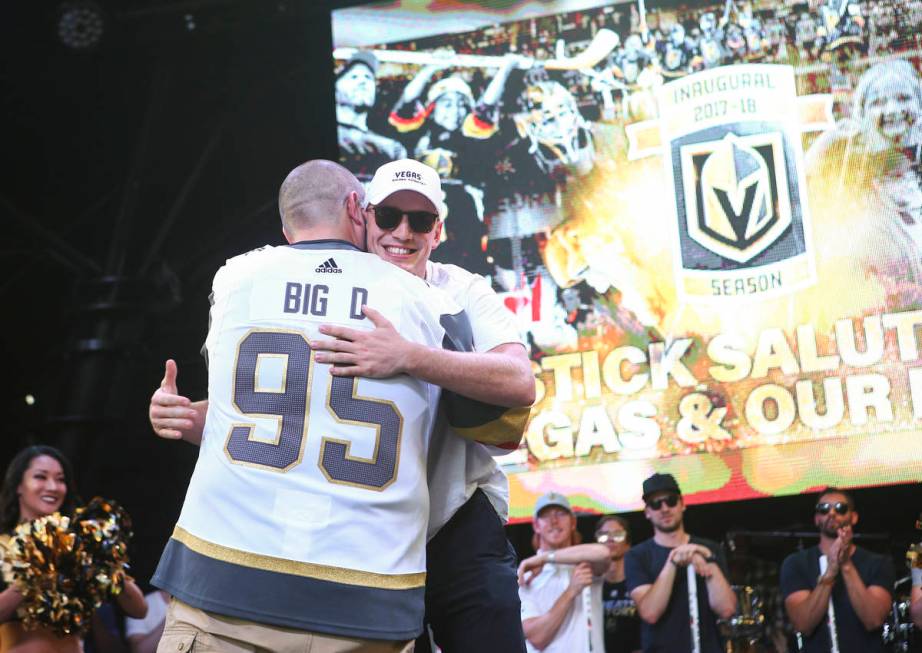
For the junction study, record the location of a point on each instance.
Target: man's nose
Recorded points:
(403, 230)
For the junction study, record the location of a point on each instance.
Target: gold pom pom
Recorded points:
(65, 568)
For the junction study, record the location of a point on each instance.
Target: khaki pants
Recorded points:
(190, 630)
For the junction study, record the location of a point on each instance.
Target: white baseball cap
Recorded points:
(407, 174)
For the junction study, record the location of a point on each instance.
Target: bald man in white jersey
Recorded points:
(472, 594)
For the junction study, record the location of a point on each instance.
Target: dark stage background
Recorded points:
(134, 170)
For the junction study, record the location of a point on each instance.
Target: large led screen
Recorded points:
(706, 217)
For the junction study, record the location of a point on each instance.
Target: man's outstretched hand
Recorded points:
(170, 413)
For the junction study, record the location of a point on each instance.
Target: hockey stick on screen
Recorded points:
(602, 44)
(644, 28)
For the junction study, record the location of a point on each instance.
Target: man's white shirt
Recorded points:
(457, 467)
(574, 633)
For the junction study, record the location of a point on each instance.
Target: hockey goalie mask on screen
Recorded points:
(559, 136)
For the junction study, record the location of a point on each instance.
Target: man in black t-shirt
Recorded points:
(859, 582)
(657, 578)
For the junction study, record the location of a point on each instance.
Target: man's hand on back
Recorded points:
(376, 354)
(501, 376)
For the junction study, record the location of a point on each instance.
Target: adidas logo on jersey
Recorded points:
(328, 266)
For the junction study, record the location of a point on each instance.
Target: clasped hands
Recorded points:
(692, 554)
(840, 554)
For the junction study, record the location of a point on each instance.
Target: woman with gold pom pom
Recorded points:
(39, 482)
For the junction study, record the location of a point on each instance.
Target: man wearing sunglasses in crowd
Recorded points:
(656, 573)
(622, 626)
(471, 592)
(858, 582)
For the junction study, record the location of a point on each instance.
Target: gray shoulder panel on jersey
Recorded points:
(287, 600)
(459, 336)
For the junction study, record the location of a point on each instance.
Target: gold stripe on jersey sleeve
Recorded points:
(295, 568)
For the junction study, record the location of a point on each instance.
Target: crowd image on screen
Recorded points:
(515, 142)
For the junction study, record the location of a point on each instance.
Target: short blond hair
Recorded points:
(315, 193)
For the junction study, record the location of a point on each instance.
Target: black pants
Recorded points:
(472, 597)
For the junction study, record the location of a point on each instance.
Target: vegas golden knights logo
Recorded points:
(736, 194)
(732, 148)
(740, 212)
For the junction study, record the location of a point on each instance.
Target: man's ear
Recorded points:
(354, 208)
(437, 233)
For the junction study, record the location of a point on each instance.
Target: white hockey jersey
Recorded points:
(308, 504)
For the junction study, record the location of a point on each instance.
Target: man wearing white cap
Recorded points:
(471, 597)
(561, 586)
(472, 601)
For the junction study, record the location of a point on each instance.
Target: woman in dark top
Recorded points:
(39, 482)
(622, 625)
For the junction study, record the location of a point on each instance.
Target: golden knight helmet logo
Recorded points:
(738, 218)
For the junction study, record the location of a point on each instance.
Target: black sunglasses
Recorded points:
(389, 218)
(839, 506)
(672, 501)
